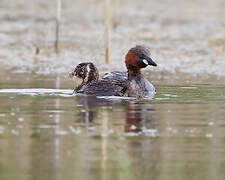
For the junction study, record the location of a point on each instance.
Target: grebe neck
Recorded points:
(133, 72)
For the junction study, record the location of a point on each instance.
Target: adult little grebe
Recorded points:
(136, 85)
(130, 83)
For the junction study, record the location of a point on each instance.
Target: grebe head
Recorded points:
(138, 57)
(86, 71)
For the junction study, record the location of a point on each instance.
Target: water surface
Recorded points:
(49, 133)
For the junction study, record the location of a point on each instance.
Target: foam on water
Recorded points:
(39, 91)
(115, 98)
(61, 92)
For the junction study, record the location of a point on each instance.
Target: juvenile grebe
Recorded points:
(91, 85)
(87, 72)
(131, 83)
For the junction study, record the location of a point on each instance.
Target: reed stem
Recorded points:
(116, 16)
(107, 31)
(59, 4)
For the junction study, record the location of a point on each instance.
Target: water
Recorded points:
(47, 132)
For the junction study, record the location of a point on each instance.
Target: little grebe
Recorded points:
(91, 85)
(131, 83)
(87, 72)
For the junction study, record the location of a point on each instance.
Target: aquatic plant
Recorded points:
(107, 31)
(58, 17)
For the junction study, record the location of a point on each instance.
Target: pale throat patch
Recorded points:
(145, 61)
(78, 81)
(88, 68)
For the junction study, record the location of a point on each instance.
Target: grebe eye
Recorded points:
(145, 61)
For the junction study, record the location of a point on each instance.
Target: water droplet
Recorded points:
(211, 123)
(20, 119)
(209, 135)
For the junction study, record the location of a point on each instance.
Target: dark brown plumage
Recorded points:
(87, 72)
(130, 83)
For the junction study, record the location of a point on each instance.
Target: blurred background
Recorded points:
(183, 36)
(47, 133)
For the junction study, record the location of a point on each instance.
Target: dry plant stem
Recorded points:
(59, 3)
(107, 31)
(117, 13)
